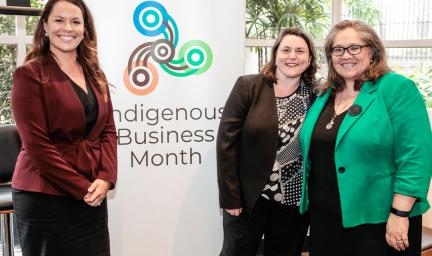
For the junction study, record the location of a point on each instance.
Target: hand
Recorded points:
(397, 232)
(97, 192)
(234, 212)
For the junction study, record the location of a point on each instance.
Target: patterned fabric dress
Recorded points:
(285, 181)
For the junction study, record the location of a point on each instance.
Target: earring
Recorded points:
(371, 61)
(46, 34)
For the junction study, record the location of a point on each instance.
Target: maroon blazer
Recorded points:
(56, 158)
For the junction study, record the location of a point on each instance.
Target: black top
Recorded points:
(285, 181)
(323, 186)
(88, 102)
(247, 142)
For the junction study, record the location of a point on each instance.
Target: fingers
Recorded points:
(406, 242)
(400, 244)
(397, 242)
(234, 212)
(96, 202)
(92, 187)
(98, 183)
(97, 193)
(94, 199)
(397, 232)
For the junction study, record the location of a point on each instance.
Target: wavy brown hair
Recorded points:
(86, 51)
(378, 65)
(308, 75)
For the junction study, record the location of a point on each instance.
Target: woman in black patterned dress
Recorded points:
(258, 152)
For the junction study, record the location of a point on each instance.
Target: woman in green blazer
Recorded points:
(366, 145)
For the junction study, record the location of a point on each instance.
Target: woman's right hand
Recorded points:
(234, 212)
(97, 192)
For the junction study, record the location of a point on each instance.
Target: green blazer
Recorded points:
(385, 149)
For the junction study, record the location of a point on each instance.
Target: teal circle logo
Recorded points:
(151, 19)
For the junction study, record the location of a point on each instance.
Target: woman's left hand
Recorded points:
(397, 232)
(97, 192)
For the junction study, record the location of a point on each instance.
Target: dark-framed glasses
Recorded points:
(352, 49)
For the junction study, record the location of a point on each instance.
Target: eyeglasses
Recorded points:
(352, 49)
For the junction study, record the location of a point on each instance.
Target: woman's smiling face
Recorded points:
(64, 27)
(348, 66)
(292, 57)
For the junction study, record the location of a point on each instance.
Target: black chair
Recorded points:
(10, 145)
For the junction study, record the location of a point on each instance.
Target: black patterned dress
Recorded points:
(285, 181)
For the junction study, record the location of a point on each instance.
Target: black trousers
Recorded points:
(329, 238)
(60, 226)
(284, 230)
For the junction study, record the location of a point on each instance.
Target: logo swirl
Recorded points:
(151, 19)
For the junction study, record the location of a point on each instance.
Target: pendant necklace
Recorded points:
(331, 122)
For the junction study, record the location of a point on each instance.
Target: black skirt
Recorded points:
(51, 225)
(329, 238)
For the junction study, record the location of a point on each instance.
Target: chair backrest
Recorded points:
(10, 146)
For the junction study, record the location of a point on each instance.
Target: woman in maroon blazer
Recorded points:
(63, 112)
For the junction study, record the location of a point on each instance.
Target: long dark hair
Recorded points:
(308, 75)
(86, 51)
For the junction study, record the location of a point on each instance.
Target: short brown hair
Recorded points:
(379, 64)
(308, 75)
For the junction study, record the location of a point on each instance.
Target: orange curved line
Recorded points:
(148, 89)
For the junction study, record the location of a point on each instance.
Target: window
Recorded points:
(7, 66)
(405, 26)
(15, 36)
(7, 25)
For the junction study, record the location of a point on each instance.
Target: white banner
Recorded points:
(173, 64)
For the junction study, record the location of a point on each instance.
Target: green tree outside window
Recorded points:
(8, 56)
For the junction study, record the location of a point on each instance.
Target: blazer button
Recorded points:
(341, 169)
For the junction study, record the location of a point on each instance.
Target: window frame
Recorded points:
(336, 17)
(20, 39)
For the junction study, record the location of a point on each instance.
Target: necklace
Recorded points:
(335, 109)
(331, 122)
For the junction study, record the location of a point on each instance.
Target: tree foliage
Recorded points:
(364, 10)
(265, 19)
(31, 21)
(7, 67)
(8, 56)
(422, 77)
(7, 24)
